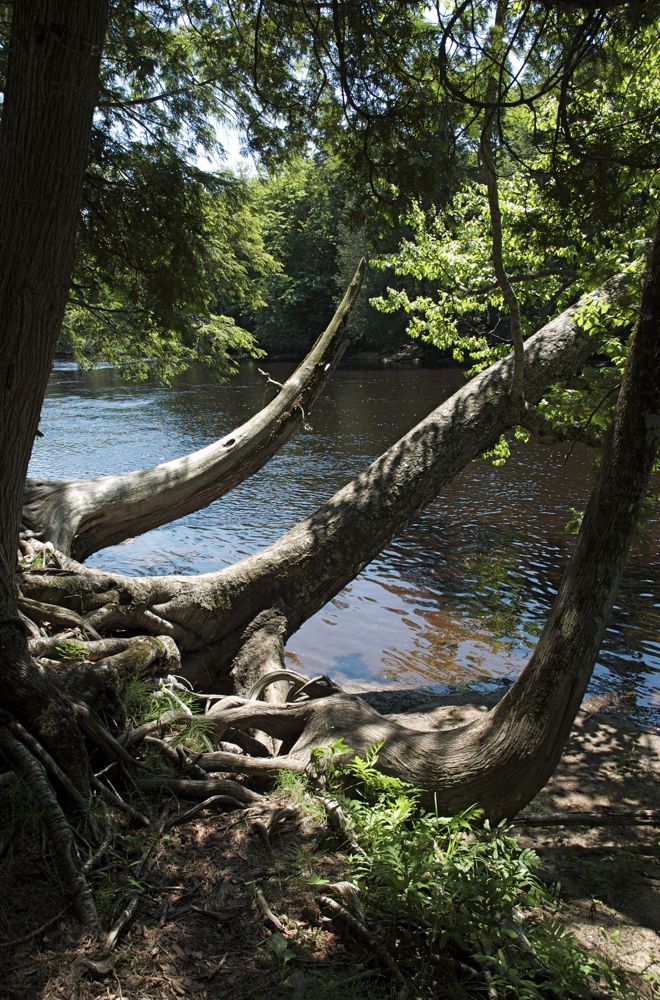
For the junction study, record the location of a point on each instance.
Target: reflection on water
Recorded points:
(460, 597)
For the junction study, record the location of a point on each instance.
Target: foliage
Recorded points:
(167, 254)
(145, 702)
(171, 261)
(453, 890)
(69, 649)
(551, 265)
(311, 229)
(300, 208)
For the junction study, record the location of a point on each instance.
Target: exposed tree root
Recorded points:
(210, 617)
(42, 755)
(38, 611)
(236, 621)
(192, 788)
(59, 829)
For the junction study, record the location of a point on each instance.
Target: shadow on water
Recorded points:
(458, 598)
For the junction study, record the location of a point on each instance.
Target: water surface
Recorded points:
(459, 598)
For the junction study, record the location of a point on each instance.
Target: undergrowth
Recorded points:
(145, 702)
(457, 901)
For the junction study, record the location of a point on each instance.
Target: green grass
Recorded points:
(144, 703)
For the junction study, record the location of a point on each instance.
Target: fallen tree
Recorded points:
(229, 627)
(500, 761)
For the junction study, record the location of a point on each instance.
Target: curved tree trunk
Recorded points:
(81, 516)
(502, 760)
(208, 614)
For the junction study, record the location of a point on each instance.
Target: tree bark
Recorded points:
(504, 759)
(52, 78)
(82, 516)
(311, 563)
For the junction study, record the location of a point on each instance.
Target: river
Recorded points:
(458, 599)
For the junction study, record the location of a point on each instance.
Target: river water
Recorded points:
(458, 599)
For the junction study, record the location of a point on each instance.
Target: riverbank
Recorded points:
(228, 908)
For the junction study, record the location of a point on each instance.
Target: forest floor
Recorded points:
(228, 912)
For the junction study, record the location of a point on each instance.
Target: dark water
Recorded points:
(459, 598)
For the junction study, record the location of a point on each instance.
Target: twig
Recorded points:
(128, 912)
(116, 799)
(363, 932)
(269, 380)
(268, 914)
(225, 800)
(37, 931)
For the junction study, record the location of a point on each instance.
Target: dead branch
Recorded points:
(83, 516)
(268, 914)
(113, 796)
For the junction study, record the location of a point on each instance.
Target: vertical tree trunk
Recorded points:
(52, 79)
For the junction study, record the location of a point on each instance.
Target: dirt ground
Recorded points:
(226, 912)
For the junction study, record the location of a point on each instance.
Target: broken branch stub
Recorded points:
(81, 516)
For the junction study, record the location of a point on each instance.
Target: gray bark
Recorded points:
(208, 614)
(81, 516)
(502, 760)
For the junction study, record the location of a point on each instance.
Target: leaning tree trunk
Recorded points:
(207, 615)
(81, 516)
(502, 760)
(52, 78)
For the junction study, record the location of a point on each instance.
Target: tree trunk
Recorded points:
(504, 759)
(82, 516)
(52, 78)
(312, 562)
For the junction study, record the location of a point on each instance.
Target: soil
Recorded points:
(201, 928)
